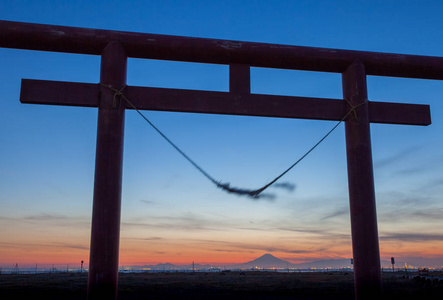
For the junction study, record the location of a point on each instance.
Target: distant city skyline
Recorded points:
(266, 261)
(170, 212)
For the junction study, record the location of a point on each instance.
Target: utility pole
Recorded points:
(392, 263)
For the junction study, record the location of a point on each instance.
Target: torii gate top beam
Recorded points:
(153, 46)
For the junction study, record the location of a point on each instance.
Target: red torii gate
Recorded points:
(114, 48)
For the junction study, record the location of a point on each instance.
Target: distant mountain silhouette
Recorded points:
(266, 261)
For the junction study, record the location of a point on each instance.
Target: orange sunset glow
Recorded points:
(40, 241)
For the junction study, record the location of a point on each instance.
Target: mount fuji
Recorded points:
(266, 261)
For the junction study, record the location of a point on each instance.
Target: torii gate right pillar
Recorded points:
(365, 247)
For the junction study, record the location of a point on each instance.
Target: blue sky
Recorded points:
(170, 212)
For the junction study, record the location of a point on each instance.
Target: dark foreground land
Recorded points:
(227, 285)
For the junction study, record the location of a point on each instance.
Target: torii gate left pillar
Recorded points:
(105, 227)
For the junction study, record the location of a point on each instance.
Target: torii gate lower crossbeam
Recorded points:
(114, 48)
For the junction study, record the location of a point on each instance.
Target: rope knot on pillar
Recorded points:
(117, 93)
(353, 109)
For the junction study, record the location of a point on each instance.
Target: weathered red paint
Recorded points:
(239, 79)
(155, 46)
(105, 231)
(232, 103)
(367, 272)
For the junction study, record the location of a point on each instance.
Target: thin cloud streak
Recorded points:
(411, 237)
(430, 214)
(253, 247)
(337, 213)
(149, 202)
(49, 220)
(48, 246)
(155, 238)
(398, 157)
(186, 223)
(46, 217)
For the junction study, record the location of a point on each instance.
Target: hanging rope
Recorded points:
(225, 186)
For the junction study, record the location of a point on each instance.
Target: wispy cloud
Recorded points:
(45, 246)
(431, 184)
(399, 156)
(401, 199)
(45, 216)
(184, 222)
(338, 213)
(302, 230)
(70, 246)
(411, 237)
(147, 201)
(48, 219)
(429, 214)
(322, 235)
(227, 246)
(233, 250)
(412, 170)
(154, 238)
